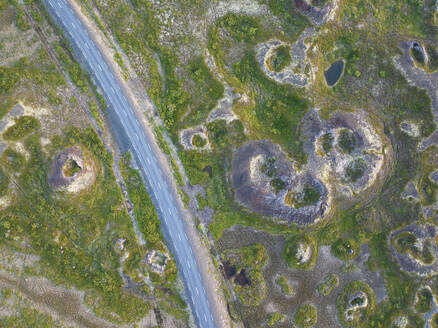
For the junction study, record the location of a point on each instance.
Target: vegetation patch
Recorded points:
(347, 141)
(300, 252)
(279, 59)
(345, 249)
(275, 318)
(424, 299)
(355, 169)
(23, 126)
(4, 183)
(205, 92)
(13, 159)
(71, 167)
(284, 285)
(310, 195)
(306, 316)
(249, 283)
(326, 287)
(242, 28)
(327, 142)
(198, 141)
(355, 304)
(407, 242)
(434, 321)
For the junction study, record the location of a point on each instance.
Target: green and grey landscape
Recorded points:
(219, 163)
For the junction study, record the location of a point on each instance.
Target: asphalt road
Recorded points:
(171, 217)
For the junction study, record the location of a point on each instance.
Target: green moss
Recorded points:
(306, 316)
(309, 196)
(71, 168)
(424, 300)
(355, 169)
(4, 183)
(428, 190)
(327, 286)
(268, 167)
(274, 318)
(241, 27)
(23, 126)
(198, 141)
(284, 285)
(202, 202)
(347, 141)
(205, 92)
(277, 184)
(434, 321)
(294, 248)
(280, 58)
(327, 142)
(345, 249)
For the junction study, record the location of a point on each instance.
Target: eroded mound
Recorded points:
(287, 63)
(265, 181)
(71, 171)
(415, 249)
(347, 152)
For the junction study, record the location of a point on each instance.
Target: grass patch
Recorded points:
(204, 94)
(326, 287)
(300, 252)
(355, 169)
(13, 159)
(306, 316)
(310, 195)
(23, 126)
(198, 141)
(284, 285)
(424, 300)
(345, 249)
(280, 58)
(274, 318)
(346, 141)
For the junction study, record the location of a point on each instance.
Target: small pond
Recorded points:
(334, 72)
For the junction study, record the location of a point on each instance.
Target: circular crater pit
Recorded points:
(266, 181)
(72, 171)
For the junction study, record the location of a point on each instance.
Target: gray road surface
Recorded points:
(171, 217)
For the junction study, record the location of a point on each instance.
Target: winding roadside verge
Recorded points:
(142, 105)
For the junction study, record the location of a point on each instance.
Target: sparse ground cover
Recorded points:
(327, 286)
(284, 285)
(275, 318)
